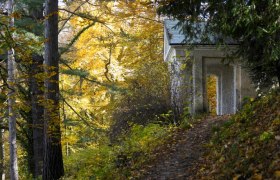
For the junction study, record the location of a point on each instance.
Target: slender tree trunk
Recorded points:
(2, 155)
(37, 116)
(12, 117)
(2, 151)
(11, 103)
(53, 162)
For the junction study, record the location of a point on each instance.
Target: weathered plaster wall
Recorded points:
(188, 80)
(227, 90)
(247, 87)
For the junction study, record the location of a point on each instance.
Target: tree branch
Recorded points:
(81, 118)
(108, 64)
(88, 17)
(64, 50)
(63, 25)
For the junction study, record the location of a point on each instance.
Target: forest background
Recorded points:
(112, 80)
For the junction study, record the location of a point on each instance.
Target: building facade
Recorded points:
(190, 64)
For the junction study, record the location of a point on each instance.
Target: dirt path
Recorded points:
(179, 158)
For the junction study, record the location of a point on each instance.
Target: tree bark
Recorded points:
(37, 93)
(53, 162)
(11, 103)
(36, 85)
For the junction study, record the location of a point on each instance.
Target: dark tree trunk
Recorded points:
(53, 162)
(37, 94)
(278, 77)
(278, 72)
(36, 85)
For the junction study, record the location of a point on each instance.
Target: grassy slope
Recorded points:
(247, 146)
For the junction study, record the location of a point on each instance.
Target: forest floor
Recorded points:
(181, 156)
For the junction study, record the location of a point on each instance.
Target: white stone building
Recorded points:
(190, 64)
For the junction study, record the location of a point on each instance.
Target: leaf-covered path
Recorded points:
(179, 159)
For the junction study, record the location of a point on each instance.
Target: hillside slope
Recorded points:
(243, 146)
(248, 145)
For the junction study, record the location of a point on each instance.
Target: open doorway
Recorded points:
(212, 97)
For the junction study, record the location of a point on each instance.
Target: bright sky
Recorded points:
(61, 3)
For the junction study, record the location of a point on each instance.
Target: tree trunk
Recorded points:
(2, 155)
(11, 103)
(37, 116)
(36, 85)
(278, 72)
(2, 150)
(53, 162)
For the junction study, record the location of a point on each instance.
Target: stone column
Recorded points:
(228, 90)
(219, 94)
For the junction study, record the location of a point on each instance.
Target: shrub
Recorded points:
(119, 160)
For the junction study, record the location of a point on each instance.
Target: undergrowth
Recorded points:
(248, 145)
(117, 161)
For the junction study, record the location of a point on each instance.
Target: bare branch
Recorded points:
(108, 64)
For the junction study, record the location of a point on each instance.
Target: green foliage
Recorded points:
(117, 161)
(91, 163)
(247, 146)
(32, 4)
(165, 118)
(76, 72)
(144, 138)
(187, 120)
(265, 136)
